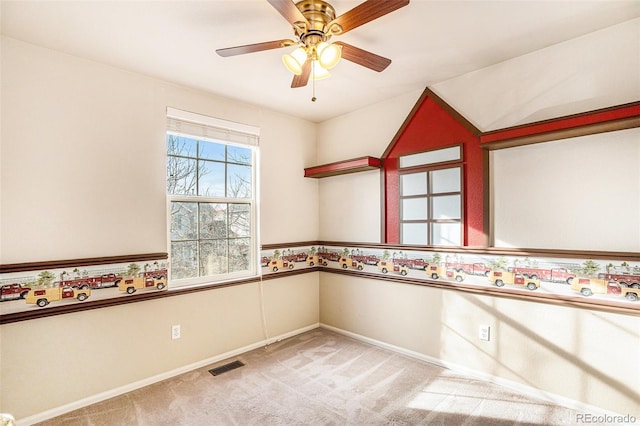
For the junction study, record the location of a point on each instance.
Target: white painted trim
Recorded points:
(58, 411)
(217, 123)
(508, 384)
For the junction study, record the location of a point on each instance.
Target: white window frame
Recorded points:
(205, 128)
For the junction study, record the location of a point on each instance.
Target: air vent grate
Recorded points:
(227, 367)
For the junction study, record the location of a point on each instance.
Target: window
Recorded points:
(431, 198)
(211, 186)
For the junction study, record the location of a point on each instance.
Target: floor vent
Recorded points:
(227, 367)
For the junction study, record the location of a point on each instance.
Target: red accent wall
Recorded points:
(431, 127)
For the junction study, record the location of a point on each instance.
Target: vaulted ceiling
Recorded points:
(428, 42)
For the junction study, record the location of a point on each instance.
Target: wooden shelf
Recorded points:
(354, 165)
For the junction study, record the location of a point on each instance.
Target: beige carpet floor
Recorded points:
(321, 378)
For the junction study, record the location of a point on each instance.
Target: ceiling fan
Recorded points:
(314, 23)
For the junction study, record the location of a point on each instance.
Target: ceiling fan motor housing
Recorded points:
(319, 14)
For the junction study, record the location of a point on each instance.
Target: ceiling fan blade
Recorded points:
(250, 48)
(302, 79)
(363, 57)
(289, 11)
(366, 12)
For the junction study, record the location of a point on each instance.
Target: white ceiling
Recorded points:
(428, 42)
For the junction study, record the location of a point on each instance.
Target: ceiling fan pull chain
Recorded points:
(313, 82)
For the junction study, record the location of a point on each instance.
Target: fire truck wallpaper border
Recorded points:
(614, 281)
(608, 281)
(21, 291)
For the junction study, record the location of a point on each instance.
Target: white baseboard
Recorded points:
(508, 384)
(58, 411)
(514, 386)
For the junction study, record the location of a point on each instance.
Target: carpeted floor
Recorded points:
(321, 378)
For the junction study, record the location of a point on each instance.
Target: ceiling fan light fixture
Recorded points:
(318, 72)
(294, 60)
(328, 54)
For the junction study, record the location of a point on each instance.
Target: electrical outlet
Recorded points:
(484, 332)
(175, 332)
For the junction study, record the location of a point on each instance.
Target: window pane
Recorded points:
(211, 150)
(184, 221)
(213, 221)
(211, 177)
(239, 254)
(431, 157)
(181, 146)
(414, 233)
(445, 180)
(181, 176)
(239, 181)
(414, 209)
(239, 220)
(213, 257)
(183, 260)
(236, 154)
(445, 207)
(413, 184)
(446, 234)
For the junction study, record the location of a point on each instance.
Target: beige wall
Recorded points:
(350, 205)
(577, 354)
(51, 362)
(583, 192)
(562, 351)
(83, 166)
(367, 131)
(358, 219)
(83, 175)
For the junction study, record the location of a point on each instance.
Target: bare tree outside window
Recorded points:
(182, 171)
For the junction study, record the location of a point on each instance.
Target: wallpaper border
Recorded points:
(453, 268)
